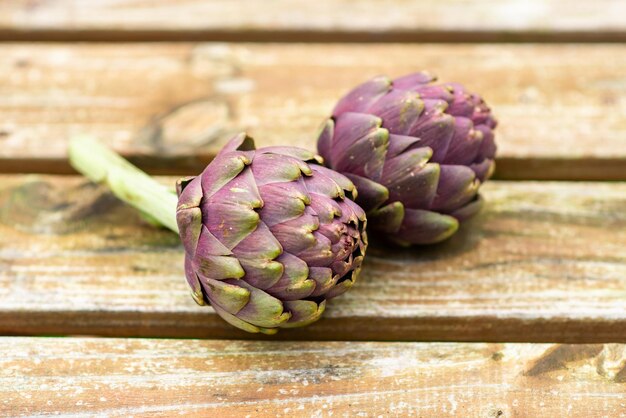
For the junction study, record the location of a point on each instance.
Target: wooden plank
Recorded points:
(171, 106)
(322, 20)
(544, 262)
(115, 377)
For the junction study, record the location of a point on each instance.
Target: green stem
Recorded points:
(127, 182)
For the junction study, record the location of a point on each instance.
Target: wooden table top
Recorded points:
(521, 314)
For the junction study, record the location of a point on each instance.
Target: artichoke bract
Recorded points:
(416, 151)
(269, 234)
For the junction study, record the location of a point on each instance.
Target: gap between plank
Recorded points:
(507, 168)
(296, 36)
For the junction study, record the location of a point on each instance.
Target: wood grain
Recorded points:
(322, 20)
(170, 106)
(116, 377)
(544, 262)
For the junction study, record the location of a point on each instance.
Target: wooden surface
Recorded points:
(321, 20)
(561, 109)
(543, 262)
(143, 378)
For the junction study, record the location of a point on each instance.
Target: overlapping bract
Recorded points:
(416, 151)
(269, 235)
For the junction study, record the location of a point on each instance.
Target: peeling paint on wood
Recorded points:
(543, 262)
(171, 106)
(115, 377)
(321, 20)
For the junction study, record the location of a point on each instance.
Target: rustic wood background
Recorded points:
(529, 297)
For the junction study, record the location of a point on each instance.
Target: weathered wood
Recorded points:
(115, 377)
(171, 106)
(544, 262)
(321, 20)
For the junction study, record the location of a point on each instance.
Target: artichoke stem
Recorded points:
(104, 166)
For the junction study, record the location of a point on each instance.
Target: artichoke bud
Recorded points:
(269, 235)
(417, 152)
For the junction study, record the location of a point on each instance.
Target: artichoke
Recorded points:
(416, 151)
(269, 234)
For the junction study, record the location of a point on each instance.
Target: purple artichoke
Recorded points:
(269, 235)
(416, 151)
